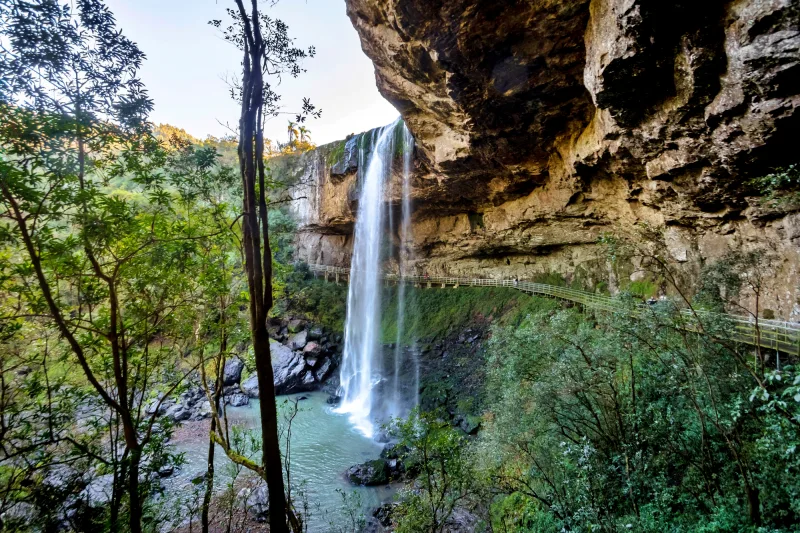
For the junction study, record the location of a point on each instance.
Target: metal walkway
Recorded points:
(771, 334)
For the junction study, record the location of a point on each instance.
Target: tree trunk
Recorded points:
(258, 267)
(209, 476)
(135, 503)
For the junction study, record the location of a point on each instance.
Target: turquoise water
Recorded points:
(323, 445)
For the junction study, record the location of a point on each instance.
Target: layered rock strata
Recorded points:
(542, 125)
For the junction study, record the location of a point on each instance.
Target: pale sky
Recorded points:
(187, 59)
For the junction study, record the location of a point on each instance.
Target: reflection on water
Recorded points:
(324, 444)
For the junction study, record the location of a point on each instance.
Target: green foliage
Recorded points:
(353, 510)
(551, 278)
(323, 302)
(643, 289)
(446, 477)
(433, 313)
(781, 186)
(610, 423)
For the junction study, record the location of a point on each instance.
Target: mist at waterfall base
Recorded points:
(372, 393)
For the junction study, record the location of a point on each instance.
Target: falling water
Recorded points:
(361, 368)
(398, 403)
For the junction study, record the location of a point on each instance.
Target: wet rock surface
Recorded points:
(298, 365)
(371, 473)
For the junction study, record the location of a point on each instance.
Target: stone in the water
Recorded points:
(369, 474)
(166, 471)
(334, 399)
(250, 386)
(238, 400)
(199, 477)
(232, 373)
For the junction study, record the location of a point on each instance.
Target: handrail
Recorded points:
(772, 334)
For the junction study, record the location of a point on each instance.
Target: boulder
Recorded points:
(309, 379)
(295, 325)
(98, 492)
(369, 474)
(311, 349)
(298, 341)
(202, 410)
(232, 373)
(238, 400)
(334, 399)
(257, 502)
(324, 369)
(166, 471)
(315, 333)
(250, 386)
(288, 368)
(179, 412)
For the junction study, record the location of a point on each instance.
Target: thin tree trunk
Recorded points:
(135, 504)
(258, 267)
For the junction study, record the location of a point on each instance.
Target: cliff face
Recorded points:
(544, 124)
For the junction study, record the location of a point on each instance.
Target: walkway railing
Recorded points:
(771, 334)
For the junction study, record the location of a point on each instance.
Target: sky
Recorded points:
(187, 61)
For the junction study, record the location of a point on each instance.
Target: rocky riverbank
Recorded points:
(304, 357)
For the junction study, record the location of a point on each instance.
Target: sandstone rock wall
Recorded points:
(543, 124)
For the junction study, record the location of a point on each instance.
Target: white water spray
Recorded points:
(399, 405)
(362, 368)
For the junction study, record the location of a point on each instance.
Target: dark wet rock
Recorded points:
(324, 370)
(233, 371)
(333, 399)
(369, 474)
(230, 389)
(238, 400)
(166, 471)
(315, 333)
(383, 514)
(469, 424)
(199, 477)
(288, 368)
(250, 386)
(348, 162)
(179, 412)
(202, 410)
(308, 379)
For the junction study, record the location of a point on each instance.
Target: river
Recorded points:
(323, 445)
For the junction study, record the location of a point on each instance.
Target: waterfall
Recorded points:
(398, 403)
(362, 363)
